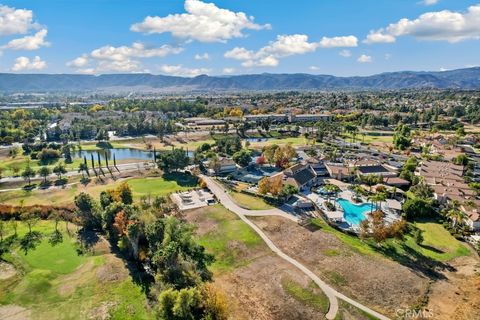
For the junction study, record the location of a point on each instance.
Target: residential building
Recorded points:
(300, 175)
(447, 182)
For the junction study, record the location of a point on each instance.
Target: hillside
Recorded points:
(455, 79)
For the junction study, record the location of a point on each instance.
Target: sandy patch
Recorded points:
(6, 271)
(13, 312)
(113, 270)
(458, 296)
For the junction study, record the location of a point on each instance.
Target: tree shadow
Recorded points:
(135, 269)
(417, 262)
(87, 238)
(436, 250)
(182, 179)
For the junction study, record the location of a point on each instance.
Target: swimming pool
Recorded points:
(354, 213)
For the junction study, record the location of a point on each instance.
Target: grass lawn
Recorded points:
(250, 202)
(223, 239)
(369, 138)
(438, 244)
(160, 186)
(295, 141)
(21, 162)
(54, 282)
(307, 296)
(139, 143)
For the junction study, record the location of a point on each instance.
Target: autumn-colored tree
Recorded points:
(276, 185)
(215, 303)
(398, 228)
(260, 160)
(264, 185)
(121, 223)
(379, 232)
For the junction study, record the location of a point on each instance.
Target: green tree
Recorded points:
(417, 207)
(59, 170)
(175, 256)
(173, 160)
(242, 157)
(402, 139)
(44, 172)
(87, 210)
(28, 174)
(83, 167)
(125, 193)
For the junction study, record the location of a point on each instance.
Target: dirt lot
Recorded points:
(257, 290)
(376, 282)
(458, 296)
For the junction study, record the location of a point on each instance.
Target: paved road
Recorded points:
(331, 293)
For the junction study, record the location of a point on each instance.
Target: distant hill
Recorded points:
(454, 79)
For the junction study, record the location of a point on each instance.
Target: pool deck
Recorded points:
(337, 216)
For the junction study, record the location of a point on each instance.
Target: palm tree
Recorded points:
(456, 216)
(376, 199)
(331, 189)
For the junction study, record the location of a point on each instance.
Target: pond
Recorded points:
(120, 154)
(257, 139)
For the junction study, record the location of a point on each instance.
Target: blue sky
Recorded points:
(191, 37)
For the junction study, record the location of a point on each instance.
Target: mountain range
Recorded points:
(466, 79)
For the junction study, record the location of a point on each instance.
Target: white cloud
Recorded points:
(137, 50)
(119, 59)
(429, 2)
(336, 42)
(345, 53)
(229, 70)
(314, 68)
(29, 42)
(239, 54)
(387, 56)
(15, 21)
(433, 26)
(25, 64)
(202, 21)
(284, 46)
(79, 62)
(379, 37)
(364, 58)
(204, 56)
(180, 70)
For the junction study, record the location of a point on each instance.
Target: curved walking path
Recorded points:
(330, 292)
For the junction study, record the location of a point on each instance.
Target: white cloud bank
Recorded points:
(284, 46)
(33, 42)
(119, 59)
(25, 64)
(20, 22)
(16, 21)
(202, 21)
(180, 70)
(443, 25)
